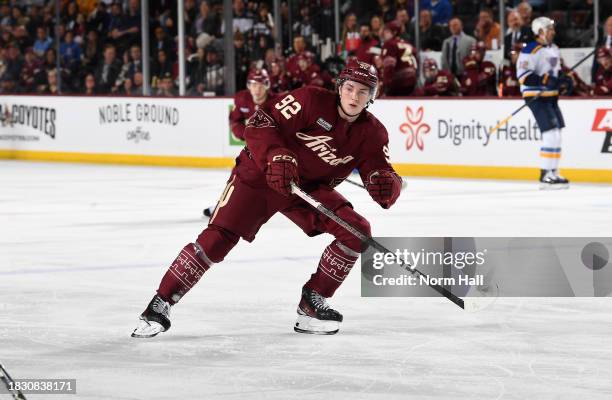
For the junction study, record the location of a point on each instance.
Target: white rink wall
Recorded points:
(431, 137)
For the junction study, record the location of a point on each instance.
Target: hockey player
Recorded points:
(312, 137)
(246, 102)
(509, 81)
(437, 83)
(603, 76)
(538, 68)
(400, 64)
(478, 77)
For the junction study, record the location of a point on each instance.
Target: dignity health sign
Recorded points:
(456, 132)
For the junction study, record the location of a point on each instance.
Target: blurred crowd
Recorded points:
(100, 49)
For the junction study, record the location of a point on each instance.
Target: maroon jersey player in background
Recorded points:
(400, 64)
(246, 102)
(603, 77)
(312, 137)
(478, 75)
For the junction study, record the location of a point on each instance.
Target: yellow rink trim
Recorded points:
(429, 170)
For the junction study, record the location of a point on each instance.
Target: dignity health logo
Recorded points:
(414, 128)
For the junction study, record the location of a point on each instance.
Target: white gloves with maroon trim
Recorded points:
(282, 169)
(384, 187)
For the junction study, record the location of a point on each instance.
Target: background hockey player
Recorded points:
(478, 77)
(437, 82)
(400, 64)
(538, 71)
(246, 102)
(312, 137)
(570, 83)
(603, 76)
(508, 78)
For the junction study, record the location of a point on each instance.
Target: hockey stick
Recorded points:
(534, 98)
(10, 383)
(369, 240)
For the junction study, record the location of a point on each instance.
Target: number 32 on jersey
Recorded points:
(288, 106)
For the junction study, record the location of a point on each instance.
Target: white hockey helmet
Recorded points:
(541, 23)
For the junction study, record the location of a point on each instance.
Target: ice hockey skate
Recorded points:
(315, 316)
(549, 180)
(154, 320)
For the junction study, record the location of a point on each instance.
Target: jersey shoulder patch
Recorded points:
(261, 120)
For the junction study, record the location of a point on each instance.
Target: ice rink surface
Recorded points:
(83, 247)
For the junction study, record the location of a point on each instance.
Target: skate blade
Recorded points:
(147, 329)
(559, 186)
(306, 324)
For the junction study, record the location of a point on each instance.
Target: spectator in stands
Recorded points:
(441, 10)
(127, 31)
(213, 74)
(70, 19)
(516, 33)
(525, 11)
(403, 19)
(304, 25)
(43, 42)
(437, 83)
(376, 27)
(278, 78)
(163, 42)
(30, 69)
(243, 20)
(603, 77)
(206, 22)
(107, 70)
(99, 20)
(385, 10)
(21, 37)
(430, 36)
(137, 81)
(115, 22)
(51, 86)
(350, 33)
(70, 52)
(507, 75)
(161, 66)
(132, 65)
(14, 61)
(368, 45)
(89, 85)
(299, 47)
(264, 24)
(166, 86)
(478, 77)
(487, 30)
(92, 50)
(456, 47)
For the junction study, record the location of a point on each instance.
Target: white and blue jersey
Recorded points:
(535, 66)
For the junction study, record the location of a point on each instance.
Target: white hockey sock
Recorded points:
(550, 150)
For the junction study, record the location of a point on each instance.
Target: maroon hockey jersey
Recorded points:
(328, 148)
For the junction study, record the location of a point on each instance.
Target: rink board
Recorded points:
(442, 137)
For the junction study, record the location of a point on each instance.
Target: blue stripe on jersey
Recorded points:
(551, 149)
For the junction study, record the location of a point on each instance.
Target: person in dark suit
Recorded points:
(456, 47)
(516, 33)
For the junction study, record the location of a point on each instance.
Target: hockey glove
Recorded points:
(384, 187)
(281, 170)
